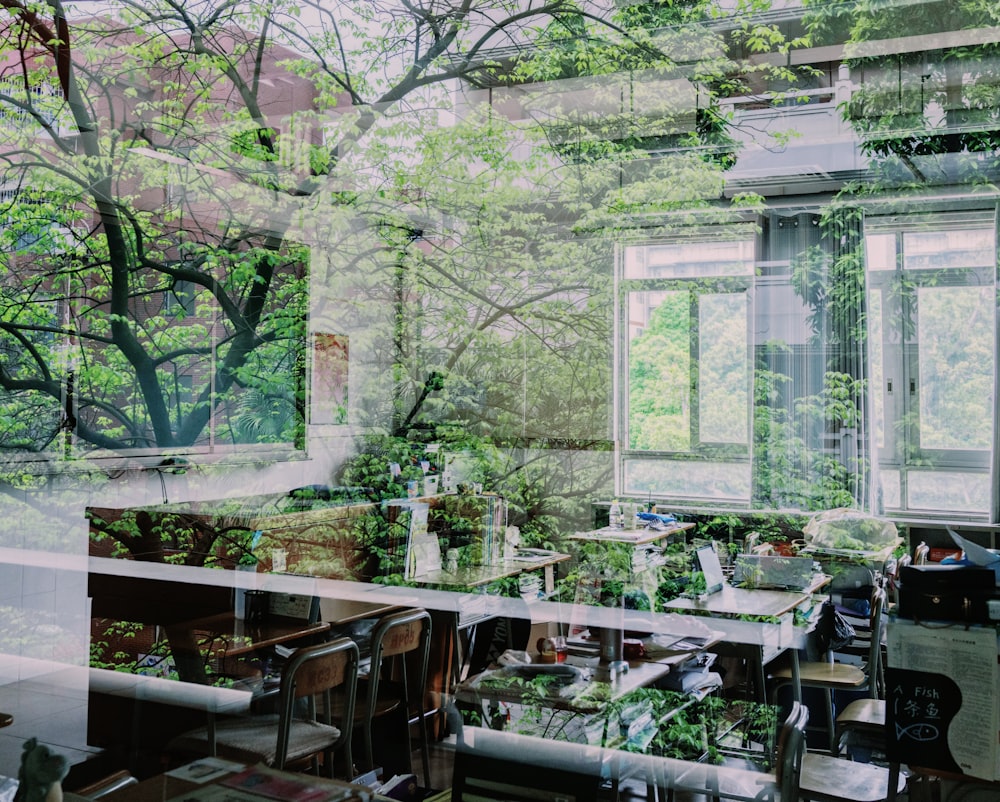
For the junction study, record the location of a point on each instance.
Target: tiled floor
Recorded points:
(50, 705)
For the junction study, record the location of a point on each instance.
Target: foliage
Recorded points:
(215, 537)
(915, 108)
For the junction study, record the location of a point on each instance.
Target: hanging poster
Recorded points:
(941, 709)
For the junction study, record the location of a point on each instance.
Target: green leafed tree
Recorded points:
(186, 184)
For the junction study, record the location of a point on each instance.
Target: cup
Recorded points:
(552, 650)
(257, 602)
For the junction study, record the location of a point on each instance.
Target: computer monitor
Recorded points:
(708, 562)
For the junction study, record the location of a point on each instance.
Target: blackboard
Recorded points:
(920, 706)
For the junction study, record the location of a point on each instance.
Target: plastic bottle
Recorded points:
(615, 515)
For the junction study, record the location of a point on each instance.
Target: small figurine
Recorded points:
(41, 774)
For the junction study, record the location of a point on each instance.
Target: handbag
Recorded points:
(832, 631)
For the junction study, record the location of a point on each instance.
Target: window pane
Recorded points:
(951, 491)
(955, 330)
(717, 481)
(875, 357)
(889, 482)
(931, 250)
(723, 369)
(690, 259)
(659, 371)
(880, 251)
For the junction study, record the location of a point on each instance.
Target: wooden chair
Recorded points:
(800, 774)
(825, 778)
(838, 676)
(283, 739)
(392, 683)
(789, 754)
(864, 630)
(892, 581)
(862, 724)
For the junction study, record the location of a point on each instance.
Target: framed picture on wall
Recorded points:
(328, 388)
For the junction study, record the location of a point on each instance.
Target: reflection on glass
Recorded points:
(659, 366)
(949, 491)
(932, 250)
(723, 369)
(955, 330)
(889, 483)
(691, 259)
(714, 481)
(875, 359)
(880, 251)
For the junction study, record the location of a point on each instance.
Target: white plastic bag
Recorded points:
(849, 530)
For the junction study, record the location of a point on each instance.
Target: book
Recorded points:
(402, 787)
(206, 769)
(261, 781)
(215, 793)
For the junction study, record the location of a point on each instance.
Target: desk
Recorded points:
(732, 601)
(336, 612)
(630, 537)
(586, 695)
(477, 576)
(240, 784)
(223, 636)
(621, 540)
(749, 601)
(578, 702)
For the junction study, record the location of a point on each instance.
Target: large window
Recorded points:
(813, 362)
(686, 308)
(933, 318)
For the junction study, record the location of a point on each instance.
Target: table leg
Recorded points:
(550, 580)
(893, 782)
(796, 679)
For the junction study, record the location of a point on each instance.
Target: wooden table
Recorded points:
(760, 603)
(630, 537)
(764, 603)
(473, 577)
(336, 612)
(590, 697)
(477, 576)
(240, 784)
(223, 636)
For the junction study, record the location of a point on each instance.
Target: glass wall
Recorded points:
(720, 260)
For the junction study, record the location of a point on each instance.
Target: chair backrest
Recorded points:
(876, 672)
(315, 671)
(791, 748)
(901, 563)
(399, 634)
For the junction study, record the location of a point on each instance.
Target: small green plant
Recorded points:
(696, 586)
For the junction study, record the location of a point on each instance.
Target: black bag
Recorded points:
(832, 631)
(955, 593)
